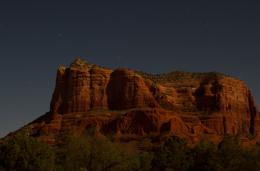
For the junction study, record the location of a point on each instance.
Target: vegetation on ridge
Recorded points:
(179, 75)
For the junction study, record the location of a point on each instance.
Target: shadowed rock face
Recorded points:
(131, 105)
(127, 90)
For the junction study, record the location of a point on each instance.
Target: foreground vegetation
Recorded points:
(22, 153)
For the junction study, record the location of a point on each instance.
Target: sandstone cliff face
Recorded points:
(131, 105)
(232, 103)
(83, 87)
(222, 103)
(80, 88)
(128, 90)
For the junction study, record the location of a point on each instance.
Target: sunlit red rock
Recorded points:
(130, 105)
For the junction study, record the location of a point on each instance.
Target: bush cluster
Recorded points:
(84, 153)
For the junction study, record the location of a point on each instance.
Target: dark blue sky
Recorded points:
(36, 37)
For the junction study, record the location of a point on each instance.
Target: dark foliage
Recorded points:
(173, 155)
(22, 153)
(84, 153)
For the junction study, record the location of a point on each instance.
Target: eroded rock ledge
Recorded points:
(132, 105)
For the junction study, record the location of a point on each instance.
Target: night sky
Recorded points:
(38, 36)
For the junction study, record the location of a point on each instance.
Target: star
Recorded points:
(60, 35)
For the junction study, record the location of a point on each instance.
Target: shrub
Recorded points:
(77, 153)
(173, 155)
(22, 153)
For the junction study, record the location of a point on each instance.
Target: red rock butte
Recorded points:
(132, 105)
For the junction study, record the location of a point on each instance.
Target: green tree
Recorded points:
(249, 160)
(23, 153)
(204, 157)
(73, 153)
(105, 156)
(229, 154)
(173, 155)
(140, 162)
(92, 154)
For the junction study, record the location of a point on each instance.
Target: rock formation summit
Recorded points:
(132, 105)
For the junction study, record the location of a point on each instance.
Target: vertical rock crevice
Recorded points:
(253, 113)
